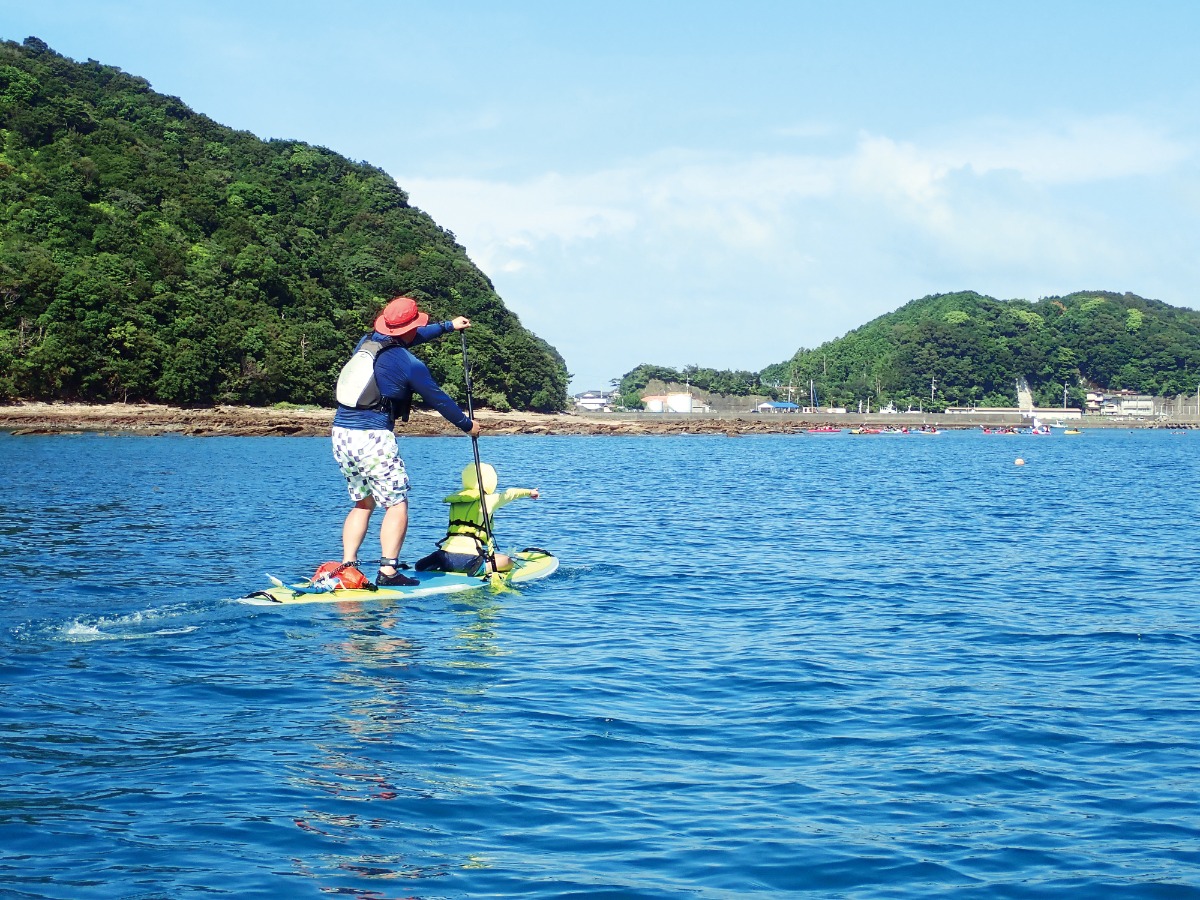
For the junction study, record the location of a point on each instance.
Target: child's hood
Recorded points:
(470, 478)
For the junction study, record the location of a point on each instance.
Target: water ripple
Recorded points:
(768, 666)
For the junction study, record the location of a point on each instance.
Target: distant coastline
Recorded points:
(246, 421)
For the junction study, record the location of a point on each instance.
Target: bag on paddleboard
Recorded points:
(335, 575)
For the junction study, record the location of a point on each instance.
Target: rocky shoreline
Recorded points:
(246, 421)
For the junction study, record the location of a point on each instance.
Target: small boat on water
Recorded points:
(1073, 431)
(825, 429)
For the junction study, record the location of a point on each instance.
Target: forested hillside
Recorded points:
(966, 349)
(149, 253)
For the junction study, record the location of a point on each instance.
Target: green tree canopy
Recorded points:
(149, 253)
(966, 349)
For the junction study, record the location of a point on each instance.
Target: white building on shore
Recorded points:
(1119, 403)
(595, 401)
(678, 402)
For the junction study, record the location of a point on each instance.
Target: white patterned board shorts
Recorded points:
(371, 464)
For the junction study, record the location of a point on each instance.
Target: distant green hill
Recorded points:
(149, 253)
(967, 349)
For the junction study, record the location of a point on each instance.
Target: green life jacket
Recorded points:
(466, 520)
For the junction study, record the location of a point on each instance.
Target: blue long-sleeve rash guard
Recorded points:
(396, 372)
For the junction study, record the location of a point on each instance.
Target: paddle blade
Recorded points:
(499, 584)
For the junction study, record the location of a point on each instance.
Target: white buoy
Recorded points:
(1019, 462)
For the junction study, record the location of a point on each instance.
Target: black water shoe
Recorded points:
(397, 580)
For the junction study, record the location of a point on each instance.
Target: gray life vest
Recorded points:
(356, 385)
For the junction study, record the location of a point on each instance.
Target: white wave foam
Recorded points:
(129, 626)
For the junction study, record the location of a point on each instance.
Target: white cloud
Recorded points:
(1076, 151)
(822, 242)
(894, 171)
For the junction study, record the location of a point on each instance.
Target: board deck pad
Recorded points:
(528, 565)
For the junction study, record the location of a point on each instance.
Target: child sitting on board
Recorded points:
(467, 547)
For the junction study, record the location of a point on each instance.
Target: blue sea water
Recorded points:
(828, 666)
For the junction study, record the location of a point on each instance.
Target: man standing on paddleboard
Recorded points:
(374, 388)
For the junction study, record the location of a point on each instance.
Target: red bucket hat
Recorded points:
(400, 317)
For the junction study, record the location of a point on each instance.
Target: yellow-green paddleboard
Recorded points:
(528, 565)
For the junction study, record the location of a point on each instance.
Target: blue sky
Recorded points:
(720, 183)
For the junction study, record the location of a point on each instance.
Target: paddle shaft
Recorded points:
(487, 519)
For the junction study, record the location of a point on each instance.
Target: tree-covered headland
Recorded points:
(965, 349)
(149, 253)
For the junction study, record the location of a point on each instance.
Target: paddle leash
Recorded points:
(487, 519)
